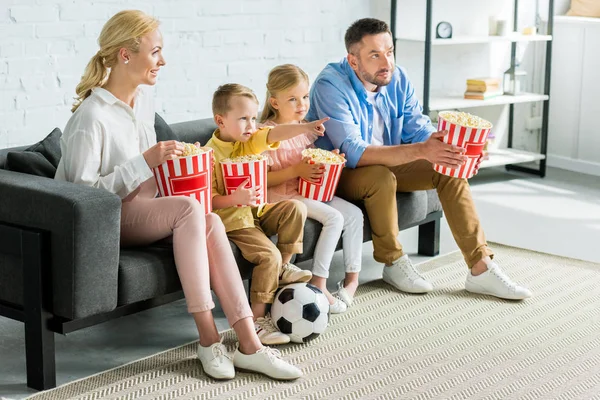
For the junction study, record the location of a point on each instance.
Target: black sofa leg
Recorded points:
(429, 238)
(39, 339)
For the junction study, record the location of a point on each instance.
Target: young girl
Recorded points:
(287, 102)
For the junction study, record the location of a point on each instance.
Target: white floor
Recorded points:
(559, 214)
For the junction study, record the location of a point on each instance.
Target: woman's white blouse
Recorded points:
(103, 142)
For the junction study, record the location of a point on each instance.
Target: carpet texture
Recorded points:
(448, 344)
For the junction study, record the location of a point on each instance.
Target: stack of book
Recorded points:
(483, 88)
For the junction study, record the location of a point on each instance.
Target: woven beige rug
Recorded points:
(445, 345)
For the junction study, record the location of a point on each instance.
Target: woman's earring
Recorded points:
(126, 61)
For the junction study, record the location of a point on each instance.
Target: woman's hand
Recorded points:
(310, 172)
(162, 151)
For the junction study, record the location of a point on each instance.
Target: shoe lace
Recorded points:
(220, 351)
(266, 323)
(410, 271)
(497, 272)
(273, 354)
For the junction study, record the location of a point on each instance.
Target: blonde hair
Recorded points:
(124, 29)
(224, 93)
(281, 78)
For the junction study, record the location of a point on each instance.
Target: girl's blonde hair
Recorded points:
(281, 78)
(124, 29)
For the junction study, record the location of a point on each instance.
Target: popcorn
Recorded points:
(465, 119)
(323, 156)
(253, 157)
(190, 149)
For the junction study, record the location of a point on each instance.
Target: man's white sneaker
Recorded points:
(495, 282)
(268, 333)
(216, 362)
(404, 276)
(338, 306)
(292, 274)
(266, 361)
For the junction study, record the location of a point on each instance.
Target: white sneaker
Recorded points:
(338, 306)
(494, 282)
(343, 294)
(266, 361)
(292, 274)
(216, 362)
(403, 276)
(268, 333)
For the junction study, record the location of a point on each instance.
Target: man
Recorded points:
(377, 121)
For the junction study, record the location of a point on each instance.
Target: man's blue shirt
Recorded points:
(337, 93)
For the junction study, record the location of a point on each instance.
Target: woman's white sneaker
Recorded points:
(266, 361)
(404, 276)
(268, 333)
(494, 282)
(216, 362)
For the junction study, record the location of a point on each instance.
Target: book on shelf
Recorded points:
(484, 81)
(482, 95)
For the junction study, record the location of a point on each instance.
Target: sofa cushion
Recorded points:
(199, 130)
(39, 159)
(163, 130)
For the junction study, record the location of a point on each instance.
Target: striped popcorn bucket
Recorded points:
(235, 173)
(187, 176)
(471, 139)
(324, 188)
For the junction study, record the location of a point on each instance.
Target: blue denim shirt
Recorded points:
(338, 94)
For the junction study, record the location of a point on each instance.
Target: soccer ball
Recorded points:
(301, 311)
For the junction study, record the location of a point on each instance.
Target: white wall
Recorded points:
(45, 45)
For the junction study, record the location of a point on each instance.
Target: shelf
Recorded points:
(500, 157)
(515, 37)
(451, 102)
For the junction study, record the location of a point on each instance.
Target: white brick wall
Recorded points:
(45, 45)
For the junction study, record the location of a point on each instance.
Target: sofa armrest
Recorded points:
(84, 233)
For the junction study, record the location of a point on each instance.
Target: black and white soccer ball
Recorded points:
(301, 311)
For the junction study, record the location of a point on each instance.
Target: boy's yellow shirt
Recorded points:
(235, 218)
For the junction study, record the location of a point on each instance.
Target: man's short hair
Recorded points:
(363, 27)
(224, 93)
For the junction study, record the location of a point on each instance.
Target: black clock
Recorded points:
(443, 30)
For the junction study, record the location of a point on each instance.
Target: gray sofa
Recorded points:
(61, 267)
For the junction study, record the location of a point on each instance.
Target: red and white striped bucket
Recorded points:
(472, 139)
(235, 173)
(324, 188)
(187, 176)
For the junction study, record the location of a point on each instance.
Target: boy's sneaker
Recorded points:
(268, 333)
(338, 306)
(495, 282)
(266, 361)
(292, 274)
(216, 362)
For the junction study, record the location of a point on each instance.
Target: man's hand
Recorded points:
(482, 156)
(444, 154)
(308, 171)
(246, 197)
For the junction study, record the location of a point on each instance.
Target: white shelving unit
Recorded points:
(436, 102)
(450, 102)
(514, 37)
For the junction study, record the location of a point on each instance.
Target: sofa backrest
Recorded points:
(199, 130)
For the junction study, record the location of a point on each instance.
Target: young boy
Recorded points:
(235, 108)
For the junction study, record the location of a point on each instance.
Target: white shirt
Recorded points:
(378, 125)
(103, 142)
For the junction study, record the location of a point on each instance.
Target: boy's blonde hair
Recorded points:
(124, 29)
(224, 93)
(282, 77)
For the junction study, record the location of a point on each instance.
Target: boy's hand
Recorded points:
(317, 126)
(246, 197)
(309, 171)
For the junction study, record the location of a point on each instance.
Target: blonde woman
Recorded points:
(287, 103)
(110, 143)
